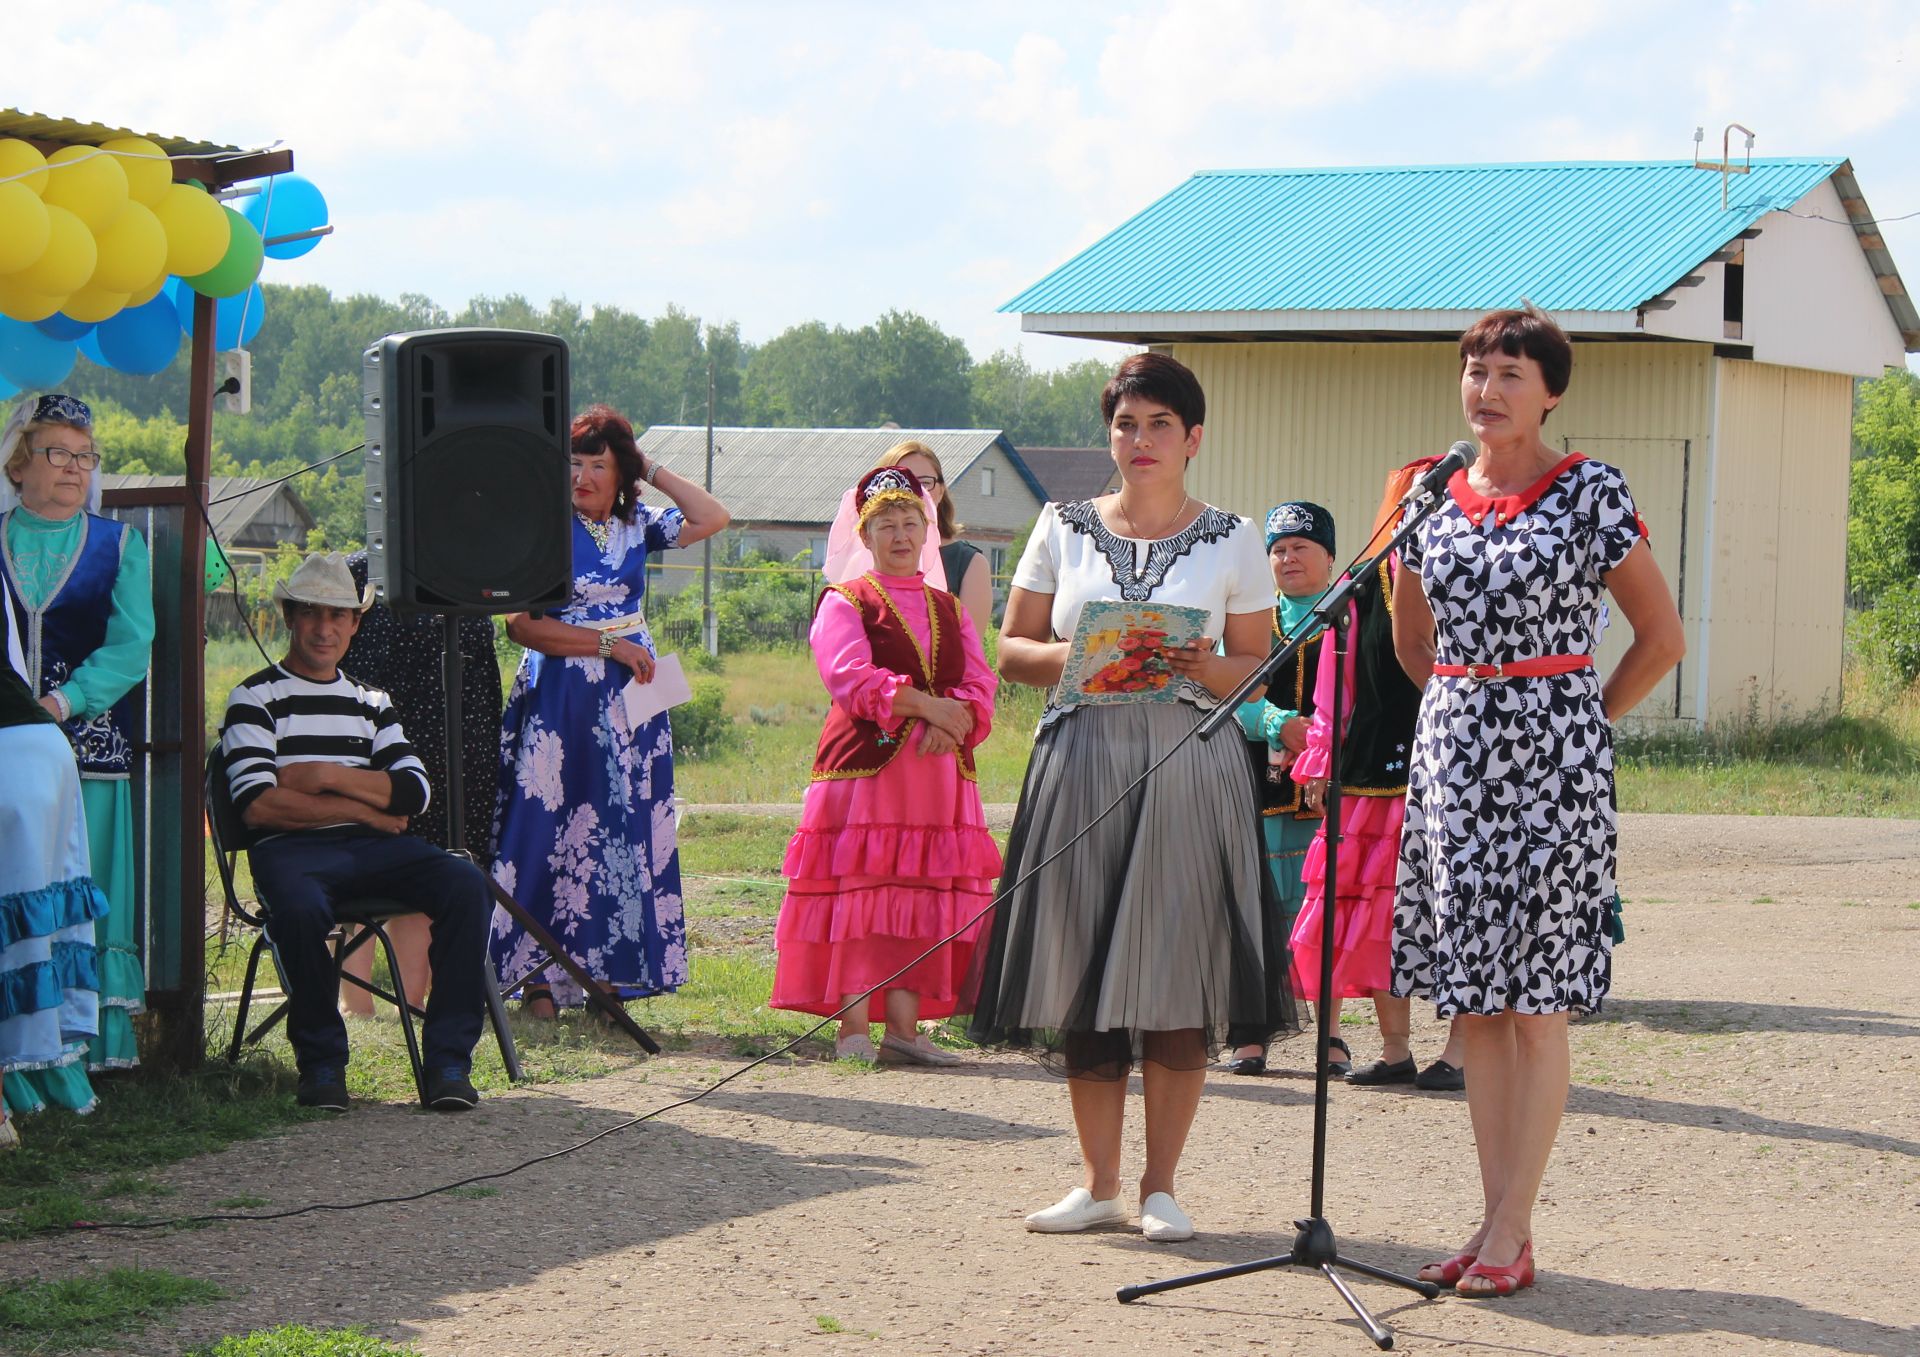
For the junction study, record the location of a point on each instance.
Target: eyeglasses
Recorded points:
(86, 461)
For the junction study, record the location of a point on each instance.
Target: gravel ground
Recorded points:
(1739, 1171)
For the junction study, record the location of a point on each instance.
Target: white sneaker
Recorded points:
(1075, 1212)
(1162, 1220)
(896, 1051)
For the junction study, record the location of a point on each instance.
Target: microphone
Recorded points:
(1459, 457)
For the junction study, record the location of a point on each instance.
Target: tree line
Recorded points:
(901, 368)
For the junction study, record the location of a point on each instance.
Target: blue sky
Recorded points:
(770, 163)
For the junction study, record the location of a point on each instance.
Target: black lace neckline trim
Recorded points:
(1137, 582)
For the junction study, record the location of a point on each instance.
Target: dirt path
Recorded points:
(1739, 1171)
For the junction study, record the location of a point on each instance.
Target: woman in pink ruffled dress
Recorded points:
(1379, 708)
(892, 853)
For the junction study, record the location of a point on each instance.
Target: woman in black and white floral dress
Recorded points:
(1507, 853)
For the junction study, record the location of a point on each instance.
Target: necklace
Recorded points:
(1185, 500)
(600, 532)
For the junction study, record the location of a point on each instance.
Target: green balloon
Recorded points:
(216, 567)
(238, 267)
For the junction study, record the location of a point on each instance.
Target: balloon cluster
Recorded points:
(102, 253)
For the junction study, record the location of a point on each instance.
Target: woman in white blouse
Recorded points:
(1146, 941)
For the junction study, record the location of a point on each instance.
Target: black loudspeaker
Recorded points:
(469, 493)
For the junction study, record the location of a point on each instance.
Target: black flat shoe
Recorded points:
(1440, 1077)
(1247, 1064)
(1380, 1072)
(1339, 1069)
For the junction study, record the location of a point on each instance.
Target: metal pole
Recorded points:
(709, 630)
(180, 1041)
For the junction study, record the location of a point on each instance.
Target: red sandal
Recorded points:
(1451, 1270)
(1506, 1280)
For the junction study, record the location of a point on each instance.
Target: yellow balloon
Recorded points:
(132, 250)
(24, 303)
(23, 158)
(24, 230)
(67, 262)
(140, 296)
(91, 305)
(196, 227)
(149, 172)
(87, 183)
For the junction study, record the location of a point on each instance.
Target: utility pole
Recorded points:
(709, 630)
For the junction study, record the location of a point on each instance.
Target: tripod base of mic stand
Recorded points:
(1314, 1246)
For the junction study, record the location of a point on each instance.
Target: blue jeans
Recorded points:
(301, 875)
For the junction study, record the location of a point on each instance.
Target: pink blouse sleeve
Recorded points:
(979, 684)
(1314, 760)
(844, 658)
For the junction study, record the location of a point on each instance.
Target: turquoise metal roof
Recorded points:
(1601, 236)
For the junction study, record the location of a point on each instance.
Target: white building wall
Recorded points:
(1327, 422)
(1811, 299)
(1779, 541)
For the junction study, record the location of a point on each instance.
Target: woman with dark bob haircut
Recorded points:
(1158, 931)
(1504, 906)
(584, 819)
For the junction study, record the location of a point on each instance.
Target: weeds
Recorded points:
(86, 1311)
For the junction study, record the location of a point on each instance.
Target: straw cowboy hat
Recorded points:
(324, 580)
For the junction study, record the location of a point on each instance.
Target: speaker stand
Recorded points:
(452, 670)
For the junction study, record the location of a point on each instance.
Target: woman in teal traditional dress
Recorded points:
(86, 585)
(1300, 551)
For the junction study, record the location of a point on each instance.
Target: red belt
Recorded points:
(1534, 668)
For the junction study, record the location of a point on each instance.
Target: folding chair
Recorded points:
(367, 916)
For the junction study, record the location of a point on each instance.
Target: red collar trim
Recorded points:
(1505, 508)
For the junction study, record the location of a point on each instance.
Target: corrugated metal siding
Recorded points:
(1779, 540)
(797, 475)
(1327, 422)
(1598, 236)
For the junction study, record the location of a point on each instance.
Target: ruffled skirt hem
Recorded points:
(1363, 901)
(881, 850)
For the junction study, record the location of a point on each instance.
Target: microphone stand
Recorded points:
(1314, 1244)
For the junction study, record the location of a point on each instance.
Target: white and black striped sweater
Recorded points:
(276, 718)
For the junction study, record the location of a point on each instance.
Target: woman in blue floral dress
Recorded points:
(584, 832)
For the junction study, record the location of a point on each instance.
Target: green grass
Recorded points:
(87, 1311)
(1862, 761)
(297, 1340)
(72, 1168)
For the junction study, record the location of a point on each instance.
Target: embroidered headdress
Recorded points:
(1300, 518)
(56, 408)
(881, 488)
(884, 487)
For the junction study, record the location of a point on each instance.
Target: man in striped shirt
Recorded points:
(322, 774)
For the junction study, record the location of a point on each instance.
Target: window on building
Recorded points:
(1733, 297)
(986, 480)
(816, 551)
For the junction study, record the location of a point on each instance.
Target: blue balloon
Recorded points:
(141, 339)
(90, 348)
(286, 204)
(62, 326)
(236, 320)
(8, 390)
(30, 359)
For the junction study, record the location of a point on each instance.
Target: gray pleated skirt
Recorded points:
(1154, 936)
